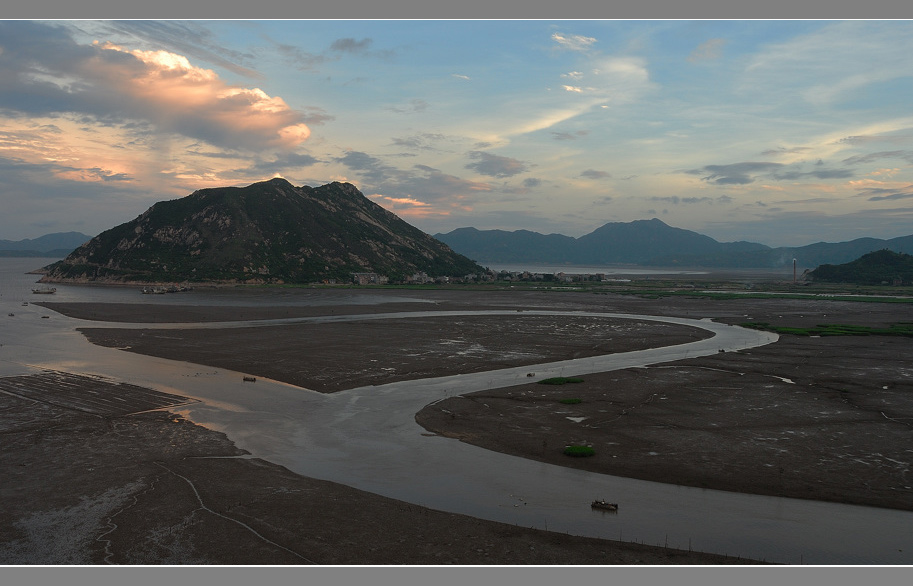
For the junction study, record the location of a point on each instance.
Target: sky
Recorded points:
(773, 131)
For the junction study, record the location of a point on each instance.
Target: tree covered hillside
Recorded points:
(874, 268)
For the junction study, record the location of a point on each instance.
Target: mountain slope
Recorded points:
(266, 232)
(640, 241)
(502, 246)
(880, 266)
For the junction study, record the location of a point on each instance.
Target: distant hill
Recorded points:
(510, 247)
(874, 268)
(270, 231)
(651, 243)
(56, 245)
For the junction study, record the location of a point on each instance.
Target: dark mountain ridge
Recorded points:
(270, 231)
(652, 243)
(58, 244)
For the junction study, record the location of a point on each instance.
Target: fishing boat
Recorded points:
(603, 505)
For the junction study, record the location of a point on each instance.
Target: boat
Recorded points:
(45, 290)
(250, 379)
(603, 505)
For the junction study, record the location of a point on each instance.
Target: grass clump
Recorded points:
(560, 380)
(570, 401)
(576, 451)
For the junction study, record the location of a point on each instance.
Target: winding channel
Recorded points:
(368, 438)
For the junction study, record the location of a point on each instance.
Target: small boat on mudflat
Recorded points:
(603, 505)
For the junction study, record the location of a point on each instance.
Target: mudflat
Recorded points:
(825, 418)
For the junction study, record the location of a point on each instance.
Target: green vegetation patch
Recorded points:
(560, 380)
(579, 451)
(901, 329)
(570, 401)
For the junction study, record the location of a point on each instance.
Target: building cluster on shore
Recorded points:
(490, 276)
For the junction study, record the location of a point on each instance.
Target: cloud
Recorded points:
(374, 170)
(616, 80)
(189, 38)
(749, 172)
(785, 151)
(676, 200)
(711, 49)
(525, 187)
(302, 60)
(421, 182)
(594, 174)
(867, 139)
(307, 61)
(349, 45)
(832, 62)
(735, 173)
(495, 165)
(93, 174)
(415, 106)
(283, 164)
(573, 42)
(45, 73)
(569, 135)
(887, 194)
(870, 157)
(420, 141)
(817, 174)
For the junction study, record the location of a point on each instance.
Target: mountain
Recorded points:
(638, 242)
(652, 243)
(874, 268)
(57, 245)
(641, 241)
(270, 231)
(510, 247)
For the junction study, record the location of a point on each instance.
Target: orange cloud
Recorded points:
(177, 96)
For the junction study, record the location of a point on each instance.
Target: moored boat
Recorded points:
(45, 290)
(603, 505)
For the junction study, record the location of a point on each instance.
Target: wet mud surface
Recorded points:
(821, 418)
(338, 356)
